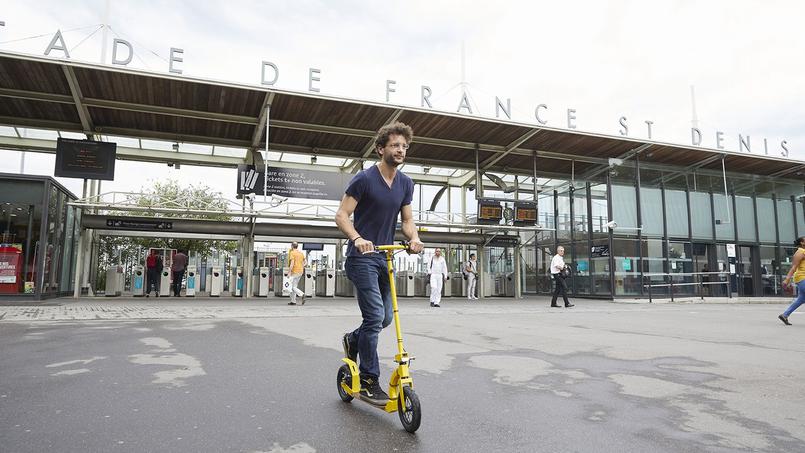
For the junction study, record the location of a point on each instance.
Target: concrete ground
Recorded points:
(171, 374)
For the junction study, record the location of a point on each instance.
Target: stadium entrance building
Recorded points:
(634, 216)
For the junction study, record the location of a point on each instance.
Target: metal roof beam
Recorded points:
(36, 96)
(257, 136)
(78, 98)
(169, 111)
(485, 165)
(625, 156)
(15, 121)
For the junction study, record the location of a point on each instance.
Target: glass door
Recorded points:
(746, 272)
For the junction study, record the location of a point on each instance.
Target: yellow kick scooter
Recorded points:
(401, 392)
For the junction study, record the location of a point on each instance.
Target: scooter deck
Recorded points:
(355, 389)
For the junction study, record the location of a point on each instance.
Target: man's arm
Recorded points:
(409, 229)
(345, 210)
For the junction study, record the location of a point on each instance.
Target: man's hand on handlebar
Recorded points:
(364, 246)
(415, 246)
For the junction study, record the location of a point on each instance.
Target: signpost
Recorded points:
(135, 224)
(291, 182)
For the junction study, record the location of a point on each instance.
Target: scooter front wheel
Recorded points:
(345, 377)
(412, 415)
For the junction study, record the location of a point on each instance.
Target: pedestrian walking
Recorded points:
(296, 263)
(153, 266)
(797, 272)
(437, 274)
(559, 272)
(178, 266)
(471, 274)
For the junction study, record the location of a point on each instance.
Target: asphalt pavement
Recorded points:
(178, 375)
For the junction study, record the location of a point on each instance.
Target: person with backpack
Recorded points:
(437, 274)
(153, 265)
(471, 275)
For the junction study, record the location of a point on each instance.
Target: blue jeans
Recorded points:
(371, 279)
(798, 301)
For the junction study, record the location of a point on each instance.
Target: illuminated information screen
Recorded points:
(489, 212)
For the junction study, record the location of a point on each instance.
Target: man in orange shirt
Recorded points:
(296, 263)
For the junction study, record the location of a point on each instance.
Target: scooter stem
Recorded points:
(393, 287)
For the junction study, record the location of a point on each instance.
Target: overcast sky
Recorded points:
(604, 59)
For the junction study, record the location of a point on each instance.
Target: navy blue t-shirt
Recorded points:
(378, 205)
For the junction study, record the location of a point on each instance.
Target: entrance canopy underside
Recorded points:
(48, 93)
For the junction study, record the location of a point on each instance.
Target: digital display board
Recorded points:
(525, 214)
(489, 211)
(85, 159)
(312, 246)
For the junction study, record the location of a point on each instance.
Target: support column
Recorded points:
(481, 285)
(248, 266)
(518, 291)
(79, 268)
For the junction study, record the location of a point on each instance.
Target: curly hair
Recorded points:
(388, 130)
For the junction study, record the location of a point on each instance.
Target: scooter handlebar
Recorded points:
(383, 248)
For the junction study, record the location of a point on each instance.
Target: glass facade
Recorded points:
(670, 230)
(39, 232)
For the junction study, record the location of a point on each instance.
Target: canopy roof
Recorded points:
(49, 93)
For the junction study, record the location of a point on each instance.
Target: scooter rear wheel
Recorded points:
(412, 416)
(344, 376)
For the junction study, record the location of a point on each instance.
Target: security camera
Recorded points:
(250, 196)
(170, 164)
(611, 225)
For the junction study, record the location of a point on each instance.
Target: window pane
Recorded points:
(765, 220)
(724, 231)
(627, 274)
(785, 221)
(701, 215)
(651, 211)
(745, 215)
(800, 218)
(676, 211)
(598, 193)
(580, 215)
(624, 206)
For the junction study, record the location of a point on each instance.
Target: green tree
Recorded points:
(185, 200)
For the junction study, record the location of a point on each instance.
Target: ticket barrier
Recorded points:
(261, 287)
(421, 284)
(308, 282)
(216, 281)
(114, 281)
(325, 283)
(404, 280)
(282, 285)
(508, 284)
(192, 281)
(343, 285)
(500, 285)
(165, 283)
(236, 283)
(458, 286)
(489, 284)
(138, 281)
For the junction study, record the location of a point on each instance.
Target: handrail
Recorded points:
(701, 283)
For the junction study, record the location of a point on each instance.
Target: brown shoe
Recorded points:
(303, 300)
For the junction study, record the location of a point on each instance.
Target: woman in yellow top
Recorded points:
(798, 272)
